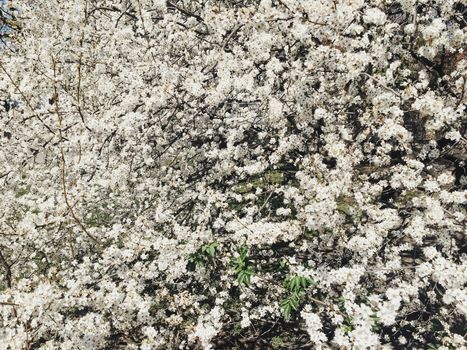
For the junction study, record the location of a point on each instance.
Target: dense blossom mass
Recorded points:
(207, 174)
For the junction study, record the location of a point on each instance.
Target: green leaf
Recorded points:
(286, 308)
(282, 265)
(210, 249)
(376, 323)
(243, 252)
(291, 303)
(294, 301)
(348, 326)
(298, 283)
(244, 276)
(243, 271)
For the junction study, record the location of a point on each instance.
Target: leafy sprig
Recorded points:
(296, 286)
(203, 255)
(242, 266)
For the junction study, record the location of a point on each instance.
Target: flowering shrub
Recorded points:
(274, 174)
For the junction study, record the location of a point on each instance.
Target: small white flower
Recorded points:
(374, 16)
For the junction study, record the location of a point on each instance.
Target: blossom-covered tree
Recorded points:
(274, 174)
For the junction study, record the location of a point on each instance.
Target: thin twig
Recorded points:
(63, 163)
(185, 12)
(381, 84)
(80, 60)
(28, 103)
(6, 303)
(7, 268)
(232, 33)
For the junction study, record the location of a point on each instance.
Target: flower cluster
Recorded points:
(268, 174)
